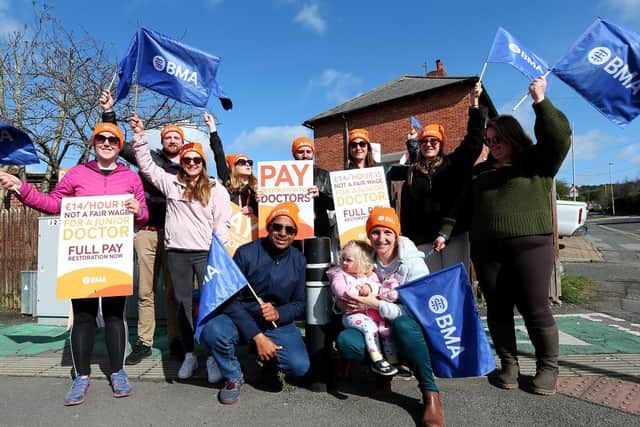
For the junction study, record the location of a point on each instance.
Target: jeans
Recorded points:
(222, 337)
(411, 345)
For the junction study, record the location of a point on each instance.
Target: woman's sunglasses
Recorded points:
(113, 140)
(360, 144)
(194, 160)
(489, 142)
(287, 228)
(431, 141)
(243, 162)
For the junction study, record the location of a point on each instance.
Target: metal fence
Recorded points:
(18, 252)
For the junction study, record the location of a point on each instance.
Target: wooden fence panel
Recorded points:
(18, 252)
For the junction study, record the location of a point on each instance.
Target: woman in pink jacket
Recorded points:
(102, 176)
(197, 207)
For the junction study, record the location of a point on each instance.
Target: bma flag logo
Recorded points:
(514, 48)
(438, 304)
(599, 55)
(159, 63)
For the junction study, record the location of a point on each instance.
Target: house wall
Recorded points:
(389, 124)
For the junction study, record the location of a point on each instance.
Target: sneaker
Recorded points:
(230, 393)
(78, 391)
(213, 371)
(382, 367)
(189, 364)
(120, 384)
(138, 352)
(404, 372)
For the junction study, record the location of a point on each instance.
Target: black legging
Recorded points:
(516, 272)
(85, 311)
(184, 267)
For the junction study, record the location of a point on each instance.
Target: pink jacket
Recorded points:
(189, 225)
(87, 180)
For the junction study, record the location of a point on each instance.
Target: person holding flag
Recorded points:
(148, 243)
(235, 171)
(395, 258)
(264, 312)
(197, 207)
(511, 236)
(102, 176)
(432, 184)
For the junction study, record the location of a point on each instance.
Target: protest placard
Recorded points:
(286, 181)
(244, 229)
(355, 193)
(95, 247)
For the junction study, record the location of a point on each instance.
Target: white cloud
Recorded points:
(587, 145)
(7, 23)
(626, 9)
(268, 138)
(309, 17)
(339, 86)
(631, 153)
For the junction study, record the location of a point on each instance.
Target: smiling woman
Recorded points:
(197, 207)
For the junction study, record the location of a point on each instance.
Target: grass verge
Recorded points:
(577, 289)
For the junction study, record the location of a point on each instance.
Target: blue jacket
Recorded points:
(278, 278)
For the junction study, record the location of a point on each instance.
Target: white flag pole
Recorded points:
(527, 94)
(484, 68)
(112, 80)
(259, 301)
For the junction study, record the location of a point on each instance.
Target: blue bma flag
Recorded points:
(416, 123)
(16, 148)
(126, 68)
(222, 280)
(443, 304)
(170, 68)
(604, 66)
(507, 49)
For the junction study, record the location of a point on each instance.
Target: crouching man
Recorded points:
(276, 271)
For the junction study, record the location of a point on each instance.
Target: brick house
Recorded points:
(385, 111)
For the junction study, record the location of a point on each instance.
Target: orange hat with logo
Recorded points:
(359, 133)
(288, 209)
(108, 127)
(172, 128)
(433, 131)
(383, 217)
(233, 158)
(193, 146)
(302, 141)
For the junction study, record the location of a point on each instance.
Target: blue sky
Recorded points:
(284, 61)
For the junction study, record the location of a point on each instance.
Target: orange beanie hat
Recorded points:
(233, 158)
(383, 217)
(302, 141)
(193, 146)
(359, 133)
(172, 128)
(108, 127)
(434, 131)
(289, 209)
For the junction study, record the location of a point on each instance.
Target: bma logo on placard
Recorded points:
(176, 70)
(438, 304)
(615, 67)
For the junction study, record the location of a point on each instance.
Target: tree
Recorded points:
(50, 83)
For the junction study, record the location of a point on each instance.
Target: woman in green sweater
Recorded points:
(512, 236)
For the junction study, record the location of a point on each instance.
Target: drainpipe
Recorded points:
(346, 140)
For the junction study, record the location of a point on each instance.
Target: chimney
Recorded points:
(439, 71)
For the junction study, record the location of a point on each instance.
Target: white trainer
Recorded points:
(213, 371)
(189, 364)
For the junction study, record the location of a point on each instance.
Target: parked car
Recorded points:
(571, 217)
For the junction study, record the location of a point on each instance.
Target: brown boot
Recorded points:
(546, 343)
(503, 336)
(433, 415)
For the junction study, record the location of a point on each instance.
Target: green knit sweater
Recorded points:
(514, 200)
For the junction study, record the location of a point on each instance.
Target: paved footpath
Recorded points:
(599, 384)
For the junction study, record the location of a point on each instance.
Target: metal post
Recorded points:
(573, 167)
(613, 200)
